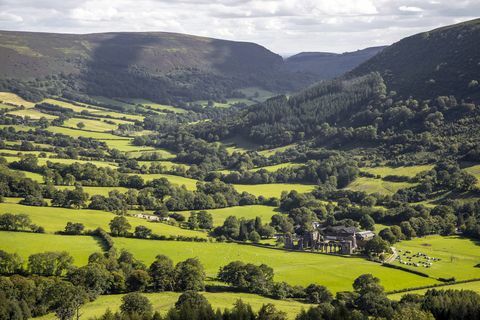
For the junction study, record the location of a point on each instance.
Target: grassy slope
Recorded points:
(12, 98)
(273, 189)
(248, 212)
(474, 286)
(90, 124)
(32, 114)
(75, 133)
(337, 273)
(54, 219)
(398, 171)
(371, 185)
(157, 106)
(162, 302)
(25, 244)
(458, 256)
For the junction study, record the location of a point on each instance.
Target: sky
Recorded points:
(283, 26)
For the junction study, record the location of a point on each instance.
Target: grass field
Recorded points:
(25, 244)
(102, 191)
(43, 161)
(458, 256)
(163, 301)
(32, 114)
(75, 133)
(248, 212)
(15, 99)
(140, 150)
(337, 273)
(190, 184)
(168, 164)
(68, 105)
(474, 286)
(270, 152)
(54, 219)
(371, 185)
(90, 124)
(273, 189)
(474, 170)
(157, 106)
(277, 166)
(398, 171)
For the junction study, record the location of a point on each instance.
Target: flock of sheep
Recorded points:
(424, 259)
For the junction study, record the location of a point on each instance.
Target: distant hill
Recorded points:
(326, 65)
(149, 65)
(443, 61)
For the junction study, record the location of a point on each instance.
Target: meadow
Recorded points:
(15, 156)
(275, 167)
(157, 106)
(76, 133)
(12, 98)
(247, 212)
(474, 170)
(102, 191)
(459, 256)
(140, 150)
(163, 301)
(473, 286)
(25, 244)
(190, 184)
(54, 219)
(273, 189)
(32, 114)
(410, 171)
(90, 124)
(335, 272)
(372, 185)
(167, 164)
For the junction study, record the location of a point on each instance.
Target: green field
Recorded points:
(275, 167)
(371, 185)
(190, 184)
(270, 152)
(474, 170)
(12, 98)
(474, 286)
(90, 124)
(273, 189)
(337, 273)
(76, 133)
(168, 164)
(140, 150)
(32, 114)
(68, 105)
(410, 172)
(42, 161)
(157, 106)
(163, 301)
(102, 191)
(247, 212)
(25, 244)
(459, 256)
(54, 219)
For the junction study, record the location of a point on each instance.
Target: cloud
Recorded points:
(284, 26)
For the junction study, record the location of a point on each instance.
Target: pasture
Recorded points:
(335, 272)
(76, 133)
(42, 161)
(90, 124)
(275, 167)
(54, 219)
(12, 98)
(190, 184)
(372, 185)
(473, 286)
(271, 152)
(273, 189)
(156, 106)
(32, 114)
(410, 171)
(25, 244)
(459, 256)
(474, 170)
(102, 191)
(167, 164)
(138, 151)
(163, 301)
(247, 212)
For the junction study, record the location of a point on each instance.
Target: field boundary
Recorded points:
(433, 286)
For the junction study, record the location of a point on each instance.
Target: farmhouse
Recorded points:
(333, 239)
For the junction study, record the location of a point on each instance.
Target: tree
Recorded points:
(162, 272)
(254, 236)
(49, 263)
(269, 312)
(142, 232)
(318, 294)
(69, 300)
(137, 280)
(74, 228)
(119, 226)
(80, 125)
(367, 222)
(377, 245)
(136, 304)
(412, 313)
(93, 277)
(10, 262)
(189, 275)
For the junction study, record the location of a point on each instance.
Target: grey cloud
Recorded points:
(280, 25)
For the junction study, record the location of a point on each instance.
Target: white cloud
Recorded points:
(280, 25)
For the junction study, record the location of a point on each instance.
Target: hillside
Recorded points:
(326, 65)
(443, 61)
(154, 65)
